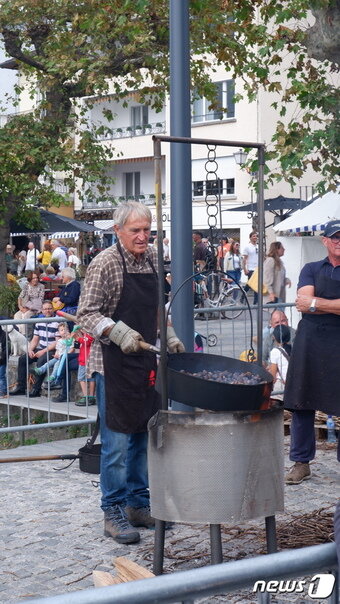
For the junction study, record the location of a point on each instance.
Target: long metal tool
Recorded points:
(39, 458)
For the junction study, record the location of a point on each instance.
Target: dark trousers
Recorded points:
(247, 288)
(65, 375)
(22, 373)
(302, 436)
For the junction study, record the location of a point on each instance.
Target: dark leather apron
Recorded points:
(313, 377)
(131, 398)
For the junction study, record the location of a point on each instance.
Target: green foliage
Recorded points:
(76, 50)
(9, 294)
(31, 441)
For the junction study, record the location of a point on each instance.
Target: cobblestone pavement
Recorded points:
(52, 529)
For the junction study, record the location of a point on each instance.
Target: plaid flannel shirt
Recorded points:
(101, 293)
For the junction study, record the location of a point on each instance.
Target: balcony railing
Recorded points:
(148, 199)
(131, 131)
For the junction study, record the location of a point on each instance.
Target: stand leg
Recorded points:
(271, 534)
(158, 556)
(216, 544)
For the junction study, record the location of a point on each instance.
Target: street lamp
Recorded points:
(240, 157)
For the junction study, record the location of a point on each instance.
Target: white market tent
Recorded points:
(314, 216)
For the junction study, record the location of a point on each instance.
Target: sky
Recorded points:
(7, 81)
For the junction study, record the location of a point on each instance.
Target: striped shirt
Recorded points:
(102, 291)
(46, 332)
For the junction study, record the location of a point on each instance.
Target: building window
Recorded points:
(225, 91)
(198, 188)
(230, 186)
(225, 186)
(139, 115)
(132, 184)
(214, 187)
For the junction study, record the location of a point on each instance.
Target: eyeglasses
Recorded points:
(335, 237)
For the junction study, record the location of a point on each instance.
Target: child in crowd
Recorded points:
(3, 363)
(87, 384)
(65, 344)
(279, 359)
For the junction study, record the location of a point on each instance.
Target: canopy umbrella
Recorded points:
(54, 224)
(276, 205)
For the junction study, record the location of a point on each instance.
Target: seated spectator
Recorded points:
(65, 345)
(278, 317)
(279, 359)
(40, 349)
(51, 282)
(48, 274)
(30, 299)
(3, 362)
(65, 377)
(69, 294)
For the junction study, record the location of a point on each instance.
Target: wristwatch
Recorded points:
(312, 307)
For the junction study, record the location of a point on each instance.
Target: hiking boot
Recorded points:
(140, 516)
(298, 472)
(116, 525)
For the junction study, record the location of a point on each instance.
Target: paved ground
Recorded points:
(52, 533)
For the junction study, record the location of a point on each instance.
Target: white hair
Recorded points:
(69, 272)
(124, 211)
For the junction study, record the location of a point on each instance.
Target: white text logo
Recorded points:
(320, 586)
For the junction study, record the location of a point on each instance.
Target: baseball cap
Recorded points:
(331, 228)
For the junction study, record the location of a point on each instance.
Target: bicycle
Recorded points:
(230, 295)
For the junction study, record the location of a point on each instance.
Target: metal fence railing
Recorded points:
(18, 413)
(187, 586)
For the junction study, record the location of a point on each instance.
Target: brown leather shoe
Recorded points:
(116, 525)
(298, 472)
(140, 517)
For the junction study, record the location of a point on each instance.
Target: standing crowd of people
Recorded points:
(53, 255)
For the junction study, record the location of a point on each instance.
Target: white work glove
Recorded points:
(173, 342)
(126, 338)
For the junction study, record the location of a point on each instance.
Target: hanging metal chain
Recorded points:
(212, 195)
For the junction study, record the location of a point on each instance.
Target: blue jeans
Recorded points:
(302, 436)
(123, 461)
(65, 373)
(3, 380)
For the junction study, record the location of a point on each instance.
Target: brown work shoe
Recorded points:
(298, 472)
(116, 525)
(140, 517)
